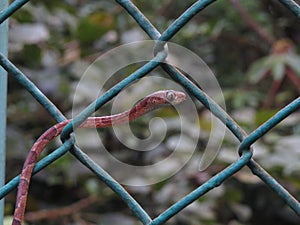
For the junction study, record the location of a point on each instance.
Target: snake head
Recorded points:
(174, 97)
(166, 97)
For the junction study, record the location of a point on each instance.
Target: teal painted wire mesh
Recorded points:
(245, 149)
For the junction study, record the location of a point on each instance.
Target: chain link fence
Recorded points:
(160, 53)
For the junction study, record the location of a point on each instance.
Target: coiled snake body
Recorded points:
(149, 103)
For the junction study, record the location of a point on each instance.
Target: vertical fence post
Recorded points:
(3, 93)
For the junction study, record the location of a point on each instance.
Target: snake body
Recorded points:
(149, 103)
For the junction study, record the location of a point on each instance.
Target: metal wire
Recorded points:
(3, 96)
(245, 149)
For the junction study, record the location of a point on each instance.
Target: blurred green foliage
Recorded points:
(79, 31)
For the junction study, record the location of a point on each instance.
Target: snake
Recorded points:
(150, 102)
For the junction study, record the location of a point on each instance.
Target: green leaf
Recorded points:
(94, 26)
(35, 53)
(262, 116)
(278, 67)
(258, 69)
(293, 61)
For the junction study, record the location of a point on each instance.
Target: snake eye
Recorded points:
(170, 96)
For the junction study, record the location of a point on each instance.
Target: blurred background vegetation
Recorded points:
(251, 46)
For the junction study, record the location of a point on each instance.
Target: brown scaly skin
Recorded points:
(149, 103)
